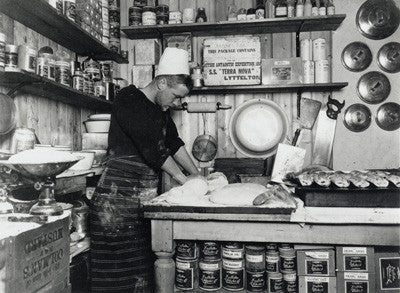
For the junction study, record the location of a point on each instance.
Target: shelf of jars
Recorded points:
(260, 26)
(256, 89)
(44, 19)
(41, 86)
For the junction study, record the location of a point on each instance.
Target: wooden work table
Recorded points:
(312, 225)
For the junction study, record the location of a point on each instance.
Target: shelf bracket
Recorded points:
(13, 91)
(299, 92)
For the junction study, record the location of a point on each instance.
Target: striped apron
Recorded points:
(121, 256)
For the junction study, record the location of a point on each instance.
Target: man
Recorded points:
(143, 140)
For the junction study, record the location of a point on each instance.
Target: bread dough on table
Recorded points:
(237, 194)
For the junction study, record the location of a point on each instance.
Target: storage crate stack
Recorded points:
(316, 270)
(355, 269)
(89, 17)
(114, 17)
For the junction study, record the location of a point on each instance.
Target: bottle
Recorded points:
(290, 8)
(322, 8)
(330, 10)
(299, 8)
(281, 9)
(307, 8)
(201, 15)
(78, 80)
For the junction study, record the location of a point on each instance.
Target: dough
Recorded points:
(41, 156)
(192, 191)
(237, 194)
(216, 180)
(197, 186)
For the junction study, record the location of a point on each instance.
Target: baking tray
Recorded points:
(376, 197)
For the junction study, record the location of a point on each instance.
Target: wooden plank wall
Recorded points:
(273, 45)
(54, 122)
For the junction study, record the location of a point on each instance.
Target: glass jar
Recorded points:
(99, 89)
(201, 15)
(92, 68)
(78, 80)
(88, 85)
(63, 69)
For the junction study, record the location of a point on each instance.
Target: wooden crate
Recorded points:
(37, 260)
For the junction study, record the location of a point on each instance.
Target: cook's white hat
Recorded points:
(173, 61)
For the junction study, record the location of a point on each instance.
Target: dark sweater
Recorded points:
(140, 127)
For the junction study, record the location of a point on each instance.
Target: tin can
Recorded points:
(322, 10)
(322, 71)
(186, 274)
(255, 281)
(22, 139)
(187, 249)
(306, 49)
(233, 250)
(308, 71)
(11, 58)
(175, 16)
(288, 260)
(210, 275)
(188, 15)
(232, 274)
(149, 18)
(290, 282)
(42, 65)
(255, 258)
(271, 247)
(272, 261)
(27, 58)
(275, 283)
(210, 250)
(319, 49)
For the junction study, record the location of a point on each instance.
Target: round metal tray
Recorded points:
(356, 56)
(373, 87)
(357, 117)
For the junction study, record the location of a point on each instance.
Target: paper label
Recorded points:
(355, 263)
(318, 254)
(317, 267)
(354, 250)
(356, 287)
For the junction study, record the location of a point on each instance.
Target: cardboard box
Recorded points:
(147, 52)
(142, 75)
(94, 141)
(282, 71)
(355, 282)
(314, 284)
(355, 259)
(232, 61)
(316, 262)
(182, 41)
(37, 260)
(387, 268)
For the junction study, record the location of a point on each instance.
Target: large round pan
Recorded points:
(378, 20)
(389, 57)
(257, 127)
(356, 56)
(388, 116)
(373, 87)
(357, 117)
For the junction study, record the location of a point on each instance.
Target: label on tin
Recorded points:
(354, 250)
(272, 264)
(209, 276)
(356, 276)
(356, 287)
(255, 258)
(317, 267)
(11, 60)
(291, 286)
(184, 276)
(355, 263)
(288, 263)
(318, 254)
(317, 284)
(232, 264)
(232, 279)
(210, 250)
(275, 285)
(32, 63)
(186, 249)
(255, 281)
(232, 253)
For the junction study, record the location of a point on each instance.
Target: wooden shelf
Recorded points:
(263, 26)
(37, 85)
(254, 89)
(44, 19)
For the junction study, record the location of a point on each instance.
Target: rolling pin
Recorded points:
(204, 107)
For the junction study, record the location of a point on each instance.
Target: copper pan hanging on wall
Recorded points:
(357, 117)
(356, 56)
(373, 87)
(378, 19)
(388, 116)
(389, 57)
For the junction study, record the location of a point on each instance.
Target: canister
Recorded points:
(22, 139)
(272, 261)
(233, 250)
(306, 49)
(186, 249)
(255, 281)
(135, 16)
(322, 10)
(11, 58)
(210, 250)
(290, 282)
(275, 283)
(233, 274)
(255, 258)
(2, 51)
(188, 15)
(271, 247)
(27, 58)
(88, 85)
(308, 71)
(210, 274)
(197, 77)
(319, 49)
(322, 71)
(175, 17)
(149, 16)
(186, 274)
(78, 80)
(287, 260)
(63, 70)
(42, 64)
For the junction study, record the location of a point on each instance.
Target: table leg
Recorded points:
(162, 244)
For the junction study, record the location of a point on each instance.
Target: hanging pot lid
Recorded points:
(378, 19)
(257, 126)
(7, 114)
(373, 87)
(388, 116)
(357, 117)
(389, 57)
(356, 56)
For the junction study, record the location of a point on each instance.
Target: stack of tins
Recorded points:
(186, 265)
(233, 266)
(255, 268)
(280, 268)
